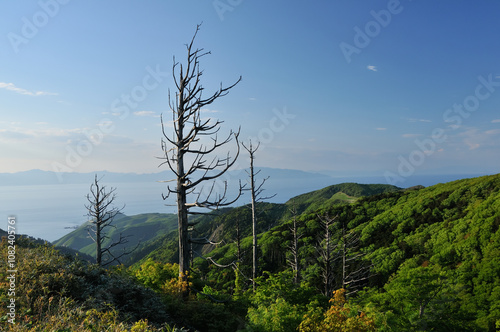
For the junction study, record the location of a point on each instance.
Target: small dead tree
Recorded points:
(354, 270)
(328, 253)
(102, 212)
(256, 195)
(294, 246)
(186, 152)
(238, 241)
(342, 263)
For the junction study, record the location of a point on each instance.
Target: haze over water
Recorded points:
(48, 211)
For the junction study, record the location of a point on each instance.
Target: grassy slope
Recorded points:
(139, 228)
(337, 194)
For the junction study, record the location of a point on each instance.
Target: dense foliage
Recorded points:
(434, 255)
(430, 259)
(57, 293)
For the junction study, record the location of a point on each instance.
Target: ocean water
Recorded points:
(48, 211)
(51, 211)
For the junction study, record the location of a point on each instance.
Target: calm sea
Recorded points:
(48, 211)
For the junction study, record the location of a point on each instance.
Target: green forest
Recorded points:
(349, 257)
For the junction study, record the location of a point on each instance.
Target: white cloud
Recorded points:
(12, 87)
(495, 121)
(53, 134)
(10, 135)
(372, 68)
(472, 145)
(380, 128)
(492, 132)
(105, 123)
(205, 110)
(418, 120)
(475, 138)
(146, 113)
(411, 135)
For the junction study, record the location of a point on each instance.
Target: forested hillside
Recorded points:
(433, 253)
(395, 260)
(224, 225)
(156, 233)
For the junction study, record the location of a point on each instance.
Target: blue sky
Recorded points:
(393, 88)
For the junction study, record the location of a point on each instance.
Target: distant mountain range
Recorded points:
(39, 177)
(283, 183)
(286, 178)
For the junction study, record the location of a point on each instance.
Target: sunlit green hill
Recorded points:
(429, 259)
(434, 253)
(156, 237)
(338, 194)
(138, 229)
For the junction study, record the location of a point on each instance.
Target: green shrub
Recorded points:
(58, 293)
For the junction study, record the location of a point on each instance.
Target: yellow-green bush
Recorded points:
(58, 293)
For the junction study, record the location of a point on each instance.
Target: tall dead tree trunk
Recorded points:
(187, 155)
(238, 241)
(328, 253)
(255, 191)
(294, 246)
(254, 218)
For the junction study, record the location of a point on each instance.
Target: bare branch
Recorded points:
(102, 212)
(204, 241)
(192, 160)
(255, 192)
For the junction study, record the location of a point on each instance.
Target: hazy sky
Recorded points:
(392, 88)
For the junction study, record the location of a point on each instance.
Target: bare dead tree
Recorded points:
(354, 270)
(256, 194)
(342, 263)
(328, 253)
(202, 240)
(102, 212)
(238, 241)
(186, 153)
(294, 246)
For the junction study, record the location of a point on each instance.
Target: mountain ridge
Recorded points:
(213, 227)
(429, 255)
(41, 177)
